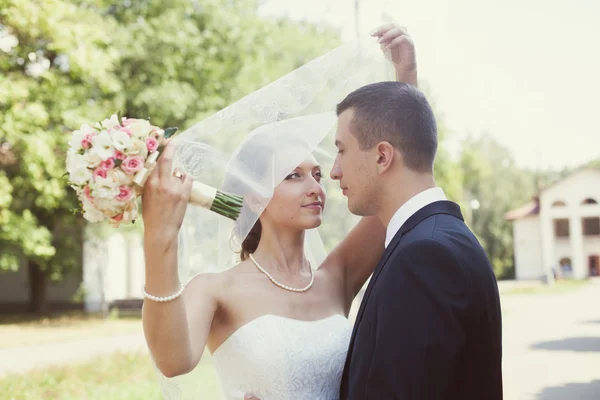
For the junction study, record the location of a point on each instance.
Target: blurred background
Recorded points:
(514, 85)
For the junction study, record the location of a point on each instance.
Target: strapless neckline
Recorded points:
(240, 330)
(282, 358)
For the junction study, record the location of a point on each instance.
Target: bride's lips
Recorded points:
(317, 205)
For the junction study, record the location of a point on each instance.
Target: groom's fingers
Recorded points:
(250, 397)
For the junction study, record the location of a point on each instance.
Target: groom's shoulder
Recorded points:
(444, 234)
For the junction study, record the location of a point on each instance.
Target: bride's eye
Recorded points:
(293, 175)
(319, 175)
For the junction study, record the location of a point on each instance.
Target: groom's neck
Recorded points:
(398, 189)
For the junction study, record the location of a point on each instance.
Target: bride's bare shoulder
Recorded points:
(216, 282)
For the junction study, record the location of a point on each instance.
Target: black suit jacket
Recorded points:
(429, 325)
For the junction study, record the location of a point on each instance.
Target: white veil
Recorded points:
(238, 150)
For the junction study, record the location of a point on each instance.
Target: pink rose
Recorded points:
(88, 193)
(86, 143)
(100, 172)
(117, 218)
(119, 155)
(151, 144)
(109, 163)
(131, 165)
(129, 121)
(124, 193)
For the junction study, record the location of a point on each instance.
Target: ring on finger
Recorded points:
(178, 175)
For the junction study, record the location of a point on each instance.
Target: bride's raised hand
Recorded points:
(164, 200)
(397, 43)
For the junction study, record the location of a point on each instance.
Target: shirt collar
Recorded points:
(409, 208)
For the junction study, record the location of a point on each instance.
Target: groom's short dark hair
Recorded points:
(397, 113)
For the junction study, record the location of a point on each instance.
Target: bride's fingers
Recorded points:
(392, 34)
(380, 30)
(165, 162)
(396, 42)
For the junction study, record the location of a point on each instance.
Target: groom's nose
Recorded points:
(336, 172)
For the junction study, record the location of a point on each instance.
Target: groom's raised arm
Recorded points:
(421, 295)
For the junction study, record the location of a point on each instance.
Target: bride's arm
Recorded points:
(357, 255)
(359, 252)
(176, 331)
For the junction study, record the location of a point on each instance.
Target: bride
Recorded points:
(276, 326)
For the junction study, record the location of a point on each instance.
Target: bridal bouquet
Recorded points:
(108, 165)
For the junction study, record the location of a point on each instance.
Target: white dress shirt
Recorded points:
(409, 208)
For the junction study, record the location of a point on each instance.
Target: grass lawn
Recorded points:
(22, 330)
(560, 286)
(114, 377)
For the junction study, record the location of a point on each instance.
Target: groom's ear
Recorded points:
(385, 154)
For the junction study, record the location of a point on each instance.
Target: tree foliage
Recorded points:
(64, 63)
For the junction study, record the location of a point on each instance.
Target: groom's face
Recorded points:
(354, 169)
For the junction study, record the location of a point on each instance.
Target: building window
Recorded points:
(561, 228)
(591, 226)
(559, 204)
(590, 201)
(594, 265)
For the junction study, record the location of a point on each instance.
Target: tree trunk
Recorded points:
(38, 286)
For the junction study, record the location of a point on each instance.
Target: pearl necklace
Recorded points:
(281, 285)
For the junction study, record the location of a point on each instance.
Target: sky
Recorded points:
(524, 71)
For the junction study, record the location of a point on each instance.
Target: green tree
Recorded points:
(493, 185)
(51, 80)
(64, 63)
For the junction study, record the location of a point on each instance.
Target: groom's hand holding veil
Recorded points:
(396, 43)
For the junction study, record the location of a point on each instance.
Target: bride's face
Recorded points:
(298, 201)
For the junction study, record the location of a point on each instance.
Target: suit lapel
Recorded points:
(438, 207)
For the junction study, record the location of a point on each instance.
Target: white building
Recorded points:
(113, 270)
(559, 229)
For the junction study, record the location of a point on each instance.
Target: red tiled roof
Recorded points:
(531, 208)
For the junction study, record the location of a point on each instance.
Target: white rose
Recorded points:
(92, 158)
(130, 213)
(91, 213)
(81, 176)
(120, 140)
(137, 148)
(108, 207)
(102, 146)
(105, 188)
(111, 122)
(119, 177)
(75, 142)
(76, 161)
(77, 167)
(140, 129)
(78, 136)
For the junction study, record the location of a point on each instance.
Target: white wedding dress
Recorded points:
(279, 358)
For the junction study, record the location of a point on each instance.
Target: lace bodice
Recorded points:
(278, 358)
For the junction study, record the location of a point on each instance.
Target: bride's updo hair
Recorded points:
(251, 175)
(250, 244)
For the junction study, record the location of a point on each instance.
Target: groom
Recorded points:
(429, 325)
